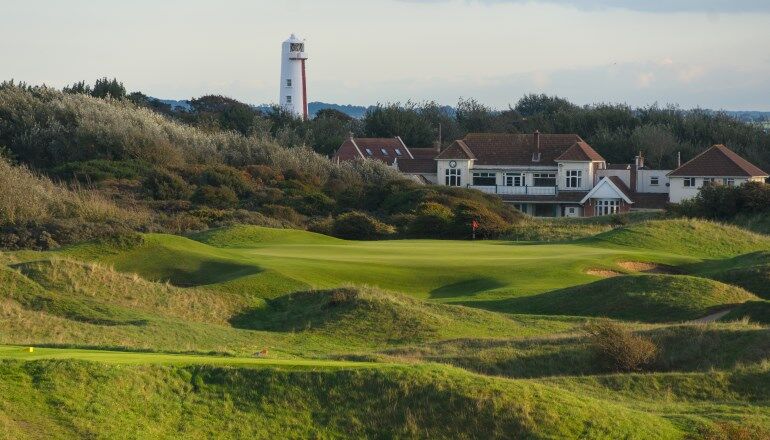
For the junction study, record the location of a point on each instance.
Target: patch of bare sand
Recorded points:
(604, 273)
(641, 266)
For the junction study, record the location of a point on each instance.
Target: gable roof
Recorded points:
(382, 149)
(457, 150)
(617, 186)
(718, 161)
(580, 152)
(516, 149)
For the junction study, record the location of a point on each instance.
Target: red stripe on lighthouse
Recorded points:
(304, 92)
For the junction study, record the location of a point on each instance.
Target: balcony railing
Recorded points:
(516, 190)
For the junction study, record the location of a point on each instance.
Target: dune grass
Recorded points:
(199, 307)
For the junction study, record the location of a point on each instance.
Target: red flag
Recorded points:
(475, 225)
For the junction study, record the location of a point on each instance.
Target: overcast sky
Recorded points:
(707, 53)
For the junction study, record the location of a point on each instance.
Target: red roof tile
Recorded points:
(581, 152)
(622, 186)
(520, 149)
(417, 166)
(718, 161)
(382, 149)
(457, 150)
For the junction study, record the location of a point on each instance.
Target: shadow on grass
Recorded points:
(207, 272)
(466, 288)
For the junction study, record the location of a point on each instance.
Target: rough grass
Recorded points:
(648, 298)
(66, 399)
(376, 315)
(685, 237)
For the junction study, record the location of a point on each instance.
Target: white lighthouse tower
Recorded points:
(293, 95)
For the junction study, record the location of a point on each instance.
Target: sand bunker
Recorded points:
(604, 273)
(640, 266)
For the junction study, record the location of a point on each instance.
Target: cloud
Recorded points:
(705, 6)
(645, 79)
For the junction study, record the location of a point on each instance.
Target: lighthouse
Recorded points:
(293, 88)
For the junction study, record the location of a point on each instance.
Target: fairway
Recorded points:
(12, 352)
(447, 271)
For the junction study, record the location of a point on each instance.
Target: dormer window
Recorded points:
(384, 151)
(398, 152)
(368, 151)
(536, 156)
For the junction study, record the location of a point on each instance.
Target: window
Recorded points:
(288, 83)
(544, 179)
(288, 99)
(689, 182)
(398, 152)
(607, 206)
(384, 151)
(511, 179)
(730, 181)
(654, 181)
(296, 47)
(536, 157)
(452, 177)
(484, 179)
(369, 151)
(574, 179)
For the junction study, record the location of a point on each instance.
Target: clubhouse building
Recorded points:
(554, 175)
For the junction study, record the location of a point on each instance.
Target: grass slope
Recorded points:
(685, 237)
(247, 236)
(648, 298)
(376, 315)
(66, 399)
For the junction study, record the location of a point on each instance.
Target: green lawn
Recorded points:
(440, 339)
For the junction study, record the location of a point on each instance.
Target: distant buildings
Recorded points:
(553, 175)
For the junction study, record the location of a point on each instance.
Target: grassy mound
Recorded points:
(754, 311)
(686, 237)
(682, 348)
(376, 315)
(245, 236)
(750, 271)
(68, 399)
(647, 298)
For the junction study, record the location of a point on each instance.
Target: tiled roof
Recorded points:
(622, 186)
(718, 161)
(382, 149)
(580, 151)
(650, 200)
(518, 149)
(424, 153)
(417, 166)
(457, 150)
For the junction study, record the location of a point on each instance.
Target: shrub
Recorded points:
(491, 225)
(431, 219)
(618, 348)
(164, 185)
(284, 213)
(220, 197)
(357, 225)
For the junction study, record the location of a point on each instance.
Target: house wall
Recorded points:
(463, 165)
(624, 175)
(643, 181)
(678, 192)
(585, 167)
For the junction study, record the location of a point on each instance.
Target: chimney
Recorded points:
(639, 161)
(537, 140)
(678, 159)
(350, 135)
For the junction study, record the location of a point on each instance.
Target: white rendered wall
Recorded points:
(587, 180)
(644, 178)
(463, 165)
(624, 175)
(678, 192)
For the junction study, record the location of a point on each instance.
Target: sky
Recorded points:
(693, 53)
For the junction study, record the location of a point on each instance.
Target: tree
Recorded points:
(104, 88)
(474, 117)
(395, 120)
(655, 141)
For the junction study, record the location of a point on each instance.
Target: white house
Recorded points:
(553, 175)
(717, 165)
